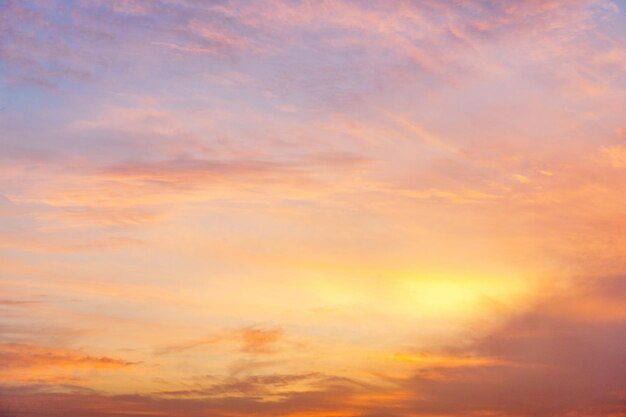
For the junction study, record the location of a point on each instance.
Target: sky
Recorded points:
(331, 208)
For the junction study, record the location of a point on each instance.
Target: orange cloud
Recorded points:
(616, 155)
(259, 340)
(251, 339)
(27, 356)
(436, 361)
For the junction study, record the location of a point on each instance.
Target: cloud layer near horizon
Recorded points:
(340, 208)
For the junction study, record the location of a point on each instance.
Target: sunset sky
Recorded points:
(322, 208)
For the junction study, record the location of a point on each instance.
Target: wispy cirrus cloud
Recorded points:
(252, 340)
(26, 356)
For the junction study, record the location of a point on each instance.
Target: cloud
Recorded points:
(18, 303)
(544, 361)
(441, 361)
(38, 49)
(139, 192)
(266, 386)
(332, 397)
(27, 356)
(551, 363)
(337, 53)
(252, 340)
(362, 173)
(616, 155)
(255, 340)
(53, 366)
